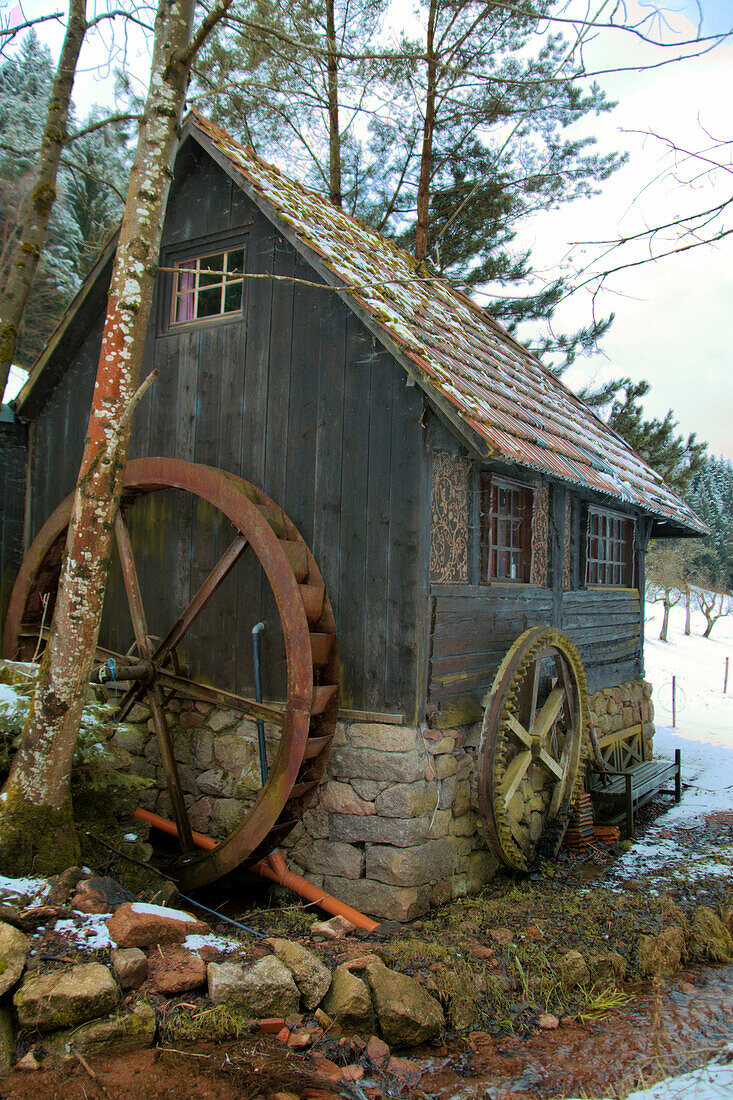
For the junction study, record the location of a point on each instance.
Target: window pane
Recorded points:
(211, 270)
(235, 262)
(232, 297)
(209, 302)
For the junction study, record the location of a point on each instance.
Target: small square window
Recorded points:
(506, 530)
(208, 286)
(609, 549)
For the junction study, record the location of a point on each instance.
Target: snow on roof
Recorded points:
(499, 389)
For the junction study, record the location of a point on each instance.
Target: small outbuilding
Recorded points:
(445, 544)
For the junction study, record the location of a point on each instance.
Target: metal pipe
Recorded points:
(275, 869)
(256, 631)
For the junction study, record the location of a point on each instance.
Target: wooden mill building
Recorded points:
(451, 490)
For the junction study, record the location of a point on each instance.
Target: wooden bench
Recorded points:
(628, 779)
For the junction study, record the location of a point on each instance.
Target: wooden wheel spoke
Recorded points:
(519, 731)
(198, 602)
(550, 765)
(515, 773)
(549, 713)
(217, 697)
(140, 628)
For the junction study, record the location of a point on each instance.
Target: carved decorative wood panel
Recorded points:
(450, 514)
(540, 536)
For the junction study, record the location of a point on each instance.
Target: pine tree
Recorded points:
(676, 459)
(423, 124)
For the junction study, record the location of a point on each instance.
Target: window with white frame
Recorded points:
(208, 286)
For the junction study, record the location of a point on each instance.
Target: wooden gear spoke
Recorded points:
(532, 744)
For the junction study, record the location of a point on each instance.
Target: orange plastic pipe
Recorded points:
(275, 869)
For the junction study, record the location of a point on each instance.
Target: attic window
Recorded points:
(609, 555)
(506, 530)
(208, 286)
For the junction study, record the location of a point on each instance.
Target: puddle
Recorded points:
(670, 1032)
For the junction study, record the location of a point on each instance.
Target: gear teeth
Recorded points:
(496, 741)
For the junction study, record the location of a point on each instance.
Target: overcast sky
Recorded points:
(674, 318)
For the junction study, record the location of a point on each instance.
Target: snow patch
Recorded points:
(219, 943)
(31, 890)
(91, 935)
(161, 911)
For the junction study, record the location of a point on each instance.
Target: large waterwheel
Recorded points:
(306, 715)
(533, 742)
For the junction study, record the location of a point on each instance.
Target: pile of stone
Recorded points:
(53, 1012)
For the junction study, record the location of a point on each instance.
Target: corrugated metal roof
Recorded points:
(500, 389)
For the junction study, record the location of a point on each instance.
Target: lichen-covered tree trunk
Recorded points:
(334, 133)
(36, 826)
(38, 205)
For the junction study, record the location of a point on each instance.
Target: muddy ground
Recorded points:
(492, 959)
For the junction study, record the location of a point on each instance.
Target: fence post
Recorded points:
(674, 702)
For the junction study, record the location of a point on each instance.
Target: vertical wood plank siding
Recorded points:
(296, 396)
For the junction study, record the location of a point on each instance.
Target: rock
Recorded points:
(7, 1041)
(265, 989)
(352, 1073)
(14, 948)
(548, 1022)
(398, 903)
(382, 737)
(118, 1034)
(377, 1052)
(135, 924)
(709, 938)
(660, 955)
(176, 970)
(334, 929)
(407, 1014)
(349, 1004)
(502, 935)
(64, 998)
(348, 763)
(130, 966)
(310, 975)
(28, 1062)
(427, 863)
(324, 1067)
(406, 799)
(341, 798)
(63, 886)
(573, 970)
(100, 895)
(607, 967)
(331, 857)
(404, 1070)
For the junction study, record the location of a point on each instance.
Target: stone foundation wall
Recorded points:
(395, 827)
(619, 708)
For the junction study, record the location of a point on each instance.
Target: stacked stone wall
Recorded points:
(395, 827)
(619, 708)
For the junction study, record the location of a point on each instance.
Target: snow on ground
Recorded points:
(704, 733)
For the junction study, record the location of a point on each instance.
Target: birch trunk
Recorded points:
(37, 207)
(36, 826)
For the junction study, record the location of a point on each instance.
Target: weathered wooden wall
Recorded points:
(298, 398)
(472, 625)
(13, 445)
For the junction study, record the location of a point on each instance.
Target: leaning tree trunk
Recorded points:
(36, 826)
(688, 611)
(36, 209)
